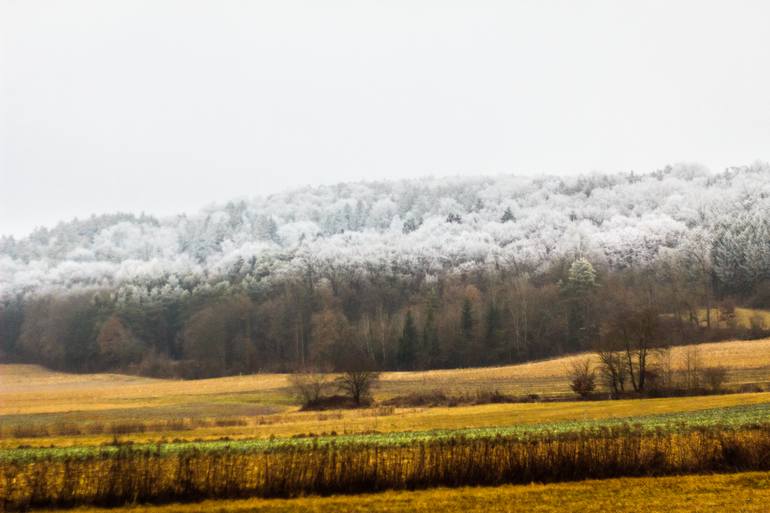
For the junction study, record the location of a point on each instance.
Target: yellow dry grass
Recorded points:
(31, 394)
(744, 317)
(728, 493)
(420, 419)
(748, 361)
(26, 389)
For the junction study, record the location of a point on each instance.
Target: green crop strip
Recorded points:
(736, 417)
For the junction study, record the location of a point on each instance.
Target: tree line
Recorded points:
(384, 321)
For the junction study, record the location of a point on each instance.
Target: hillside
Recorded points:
(409, 275)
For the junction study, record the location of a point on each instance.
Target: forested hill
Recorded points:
(277, 281)
(423, 227)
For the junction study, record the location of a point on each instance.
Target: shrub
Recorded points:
(230, 422)
(714, 377)
(66, 429)
(747, 388)
(493, 397)
(29, 431)
(127, 427)
(333, 402)
(415, 399)
(757, 326)
(309, 387)
(582, 378)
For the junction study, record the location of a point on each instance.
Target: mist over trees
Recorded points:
(396, 275)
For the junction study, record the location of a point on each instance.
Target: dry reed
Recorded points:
(156, 475)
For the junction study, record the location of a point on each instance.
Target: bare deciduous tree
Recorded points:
(358, 384)
(635, 331)
(613, 371)
(691, 368)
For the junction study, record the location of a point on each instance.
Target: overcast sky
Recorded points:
(165, 106)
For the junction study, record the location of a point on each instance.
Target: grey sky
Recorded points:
(164, 106)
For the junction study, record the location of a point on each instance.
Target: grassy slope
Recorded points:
(28, 389)
(732, 493)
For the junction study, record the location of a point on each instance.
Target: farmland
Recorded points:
(70, 409)
(61, 477)
(61, 431)
(734, 418)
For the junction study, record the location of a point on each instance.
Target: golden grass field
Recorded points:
(27, 389)
(262, 403)
(730, 493)
(416, 419)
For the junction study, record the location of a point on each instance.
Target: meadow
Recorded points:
(29, 389)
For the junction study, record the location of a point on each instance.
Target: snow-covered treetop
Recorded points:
(424, 226)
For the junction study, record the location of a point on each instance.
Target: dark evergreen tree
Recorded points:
(430, 341)
(492, 334)
(407, 344)
(79, 338)
(467, 333)
(11, 319)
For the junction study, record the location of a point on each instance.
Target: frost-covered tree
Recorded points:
(741, 249)
(581, 278)
(619, 220)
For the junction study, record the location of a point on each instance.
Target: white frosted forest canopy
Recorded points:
(418, 228)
